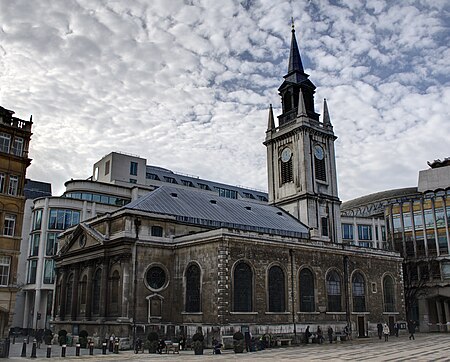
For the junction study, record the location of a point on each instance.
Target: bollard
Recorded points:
(111, 344)
(14, 339)
(77, 349)
(28, 339)
(104, 347)
(63, 350)
(49, 351)
(91, 348)
(24, 348)
(33, 349)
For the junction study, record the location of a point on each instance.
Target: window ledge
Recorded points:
(192, 313)
(311, 313)
(341, 313)
(360, 313)
(244, 313)
(388, 313)
(281, 313)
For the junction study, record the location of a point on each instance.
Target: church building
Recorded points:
(176, 260)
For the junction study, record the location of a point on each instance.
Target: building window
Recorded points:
(243, 288)
(51, 246)
(389, 294)
(383, 233)
(96, 172)
(152, 176)
(359, 293)
(133, 181)
(286, 172)
(13, 185)
(5, 142)
(61, 219)
(49, 271)
(230, 194)
(334, 291)
(17, 147)
(276, 290)
(69, 294)
(133, 168)
(262, 198)
(347, 231)
(107, 166)
(34, 244)
(9, 225)
(320, 170)
(37, 219)
(193, 289)
(364, 232)
(2, 182)
(32, 266)
(187, 183)
(307, 303)
(248, 195)
(96, 285)
(203, 186)
(157, 231)
(115, 283)
(156, 278)
(324, 225)
(5, 263)
(170, 180)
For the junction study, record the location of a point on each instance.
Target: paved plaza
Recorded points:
(426, 347)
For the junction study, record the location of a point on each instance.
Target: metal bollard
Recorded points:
(111, 345)
(104, 347)
(49, 351)
(24, 348)
(77, 349)
(33, 349)
(91, 348)
(63, 350)
(14, 339)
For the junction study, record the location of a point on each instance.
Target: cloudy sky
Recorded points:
(187, 84)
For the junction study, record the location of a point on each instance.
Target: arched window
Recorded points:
(69, 294)
(307, 291)
(276, 290)
(115, 281)
(334, 291)
(83, 292)
(389, 294)
(243, 288)
(287, 102)
(359, 293)
(193, 289)
(96, 285)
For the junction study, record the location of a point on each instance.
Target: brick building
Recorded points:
(179, 258)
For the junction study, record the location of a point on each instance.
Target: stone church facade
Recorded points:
(177, 259)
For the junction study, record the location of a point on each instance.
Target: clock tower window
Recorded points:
(320, 170)
(286, 171)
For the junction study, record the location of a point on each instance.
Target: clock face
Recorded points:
(318, 152)
(286, 154)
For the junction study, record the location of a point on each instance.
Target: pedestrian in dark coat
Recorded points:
(411, 329)
(319, 334)
(307, 335)
(380, 330)
(330, 334)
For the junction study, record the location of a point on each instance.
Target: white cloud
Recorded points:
(187, 84)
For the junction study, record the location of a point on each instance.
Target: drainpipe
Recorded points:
(291, 254)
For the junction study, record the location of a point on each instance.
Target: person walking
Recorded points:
(411, 329)
(319, 334)
(330, 334)
(380, 330)
(386, 332)
(307, 335)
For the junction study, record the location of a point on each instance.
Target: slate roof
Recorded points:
(202, 208)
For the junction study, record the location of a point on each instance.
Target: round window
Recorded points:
(156, 277)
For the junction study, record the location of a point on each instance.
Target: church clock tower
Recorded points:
(300, 155)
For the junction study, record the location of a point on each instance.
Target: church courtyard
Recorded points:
(426, 347)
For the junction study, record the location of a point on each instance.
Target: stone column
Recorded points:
(447, 315)
(104, 288)
(76, 277)
(223, 281)
(126, 291)
(424, 314)
(439, 314)
(62, 299)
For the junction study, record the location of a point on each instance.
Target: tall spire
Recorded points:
(326, 114)
(295, 62)
(271, 122)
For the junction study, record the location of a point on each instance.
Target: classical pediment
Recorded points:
(83, 237)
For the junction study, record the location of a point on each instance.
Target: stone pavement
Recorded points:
(426, 347)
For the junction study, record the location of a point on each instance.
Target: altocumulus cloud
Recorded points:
(186, 84)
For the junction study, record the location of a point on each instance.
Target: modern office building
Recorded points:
(15, 137)
(413, 221)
